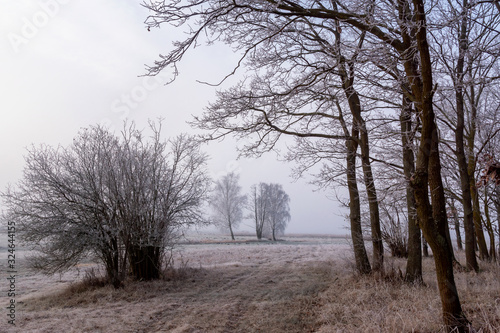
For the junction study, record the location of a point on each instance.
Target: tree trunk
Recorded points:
(414, 264)
(378, 246)
(465, 184)
(145, 262)
(359, 122)
(471, 168)
(478, 225)
(112, 270)
(456, 221)
(259, 234)
(111, 258)
(259, 225)
(346, 73)
(231, 230)
(489, 226)
(427, 178)
(360, 255)
(433, 224)
(497, 208)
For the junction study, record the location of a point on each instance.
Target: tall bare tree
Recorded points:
(259, 29)
(62, 208)
(463, 47)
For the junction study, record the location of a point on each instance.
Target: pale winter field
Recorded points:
(300, 284)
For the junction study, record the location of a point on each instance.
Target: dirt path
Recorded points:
(238, 299)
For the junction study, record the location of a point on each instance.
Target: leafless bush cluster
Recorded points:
(121, 199)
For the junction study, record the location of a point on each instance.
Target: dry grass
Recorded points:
(229, 299)
(366, 304)
(300, 287)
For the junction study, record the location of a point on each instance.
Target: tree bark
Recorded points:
(378, 246)
(231, 230)
(478, 225)
(346, 73)
(427, 177)
(360, 255)
(489, 226)
(456, 221)
(465, 184)
(471, 168)
(497, 208)
(414, 264)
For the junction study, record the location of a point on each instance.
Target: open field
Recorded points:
(301, 284)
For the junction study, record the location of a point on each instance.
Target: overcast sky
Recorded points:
(68, 64)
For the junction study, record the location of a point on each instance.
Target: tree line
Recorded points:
(400, 97)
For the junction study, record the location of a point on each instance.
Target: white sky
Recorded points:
(68, 64)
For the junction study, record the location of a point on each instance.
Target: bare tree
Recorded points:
(270, 210)
(465, 67)
(258, 208)
(227, 202)
(292, 93)
(278, 208)
(119, 199)
(274, 35)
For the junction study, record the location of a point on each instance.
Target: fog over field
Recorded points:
(70, 66)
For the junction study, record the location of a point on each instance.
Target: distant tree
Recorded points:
(278, 207)
(270, 210)
(119, 199)
(258, 208)
(227, 202)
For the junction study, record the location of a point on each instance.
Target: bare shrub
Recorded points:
(122, 199)
(93, 279)
(179, 273)
(395, 227)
